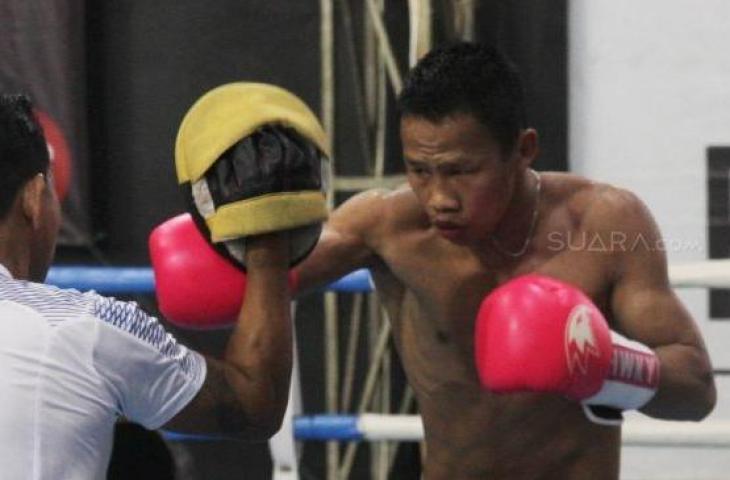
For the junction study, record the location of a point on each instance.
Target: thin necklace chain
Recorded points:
(526, 243)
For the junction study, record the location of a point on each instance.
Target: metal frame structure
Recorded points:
(379, 73)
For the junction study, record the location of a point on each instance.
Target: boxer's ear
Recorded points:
(527, 147)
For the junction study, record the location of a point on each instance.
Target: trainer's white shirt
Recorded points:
(71, 363)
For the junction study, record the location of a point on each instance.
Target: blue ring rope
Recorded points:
(136, 280)
(327, 427)
(306, 427)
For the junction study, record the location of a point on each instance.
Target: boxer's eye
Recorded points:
(453, 170)
(417, 169)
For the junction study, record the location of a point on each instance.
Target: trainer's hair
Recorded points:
(467, 78)
(23, 150)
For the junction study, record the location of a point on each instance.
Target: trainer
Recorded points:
(72, 363)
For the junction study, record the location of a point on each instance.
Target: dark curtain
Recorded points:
(42, 55)
(534, 34)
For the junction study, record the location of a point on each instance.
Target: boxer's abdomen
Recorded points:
(473, 434)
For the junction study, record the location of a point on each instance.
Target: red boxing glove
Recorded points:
(539, 334)
(196, 287)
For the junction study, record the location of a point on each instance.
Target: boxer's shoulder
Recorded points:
(404, 210)
(608, 208)
(382, 213)
(591, 204)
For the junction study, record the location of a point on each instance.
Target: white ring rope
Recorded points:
(636, 432)
(702, 274)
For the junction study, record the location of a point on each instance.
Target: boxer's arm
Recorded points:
(348, 240)
(246, 393)
(646, 309)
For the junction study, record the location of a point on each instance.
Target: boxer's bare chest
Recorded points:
(432, 292)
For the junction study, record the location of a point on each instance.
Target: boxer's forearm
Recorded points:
(260, 348)
(686, 384)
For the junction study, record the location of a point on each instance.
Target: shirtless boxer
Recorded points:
(524, 384)
(71, 363)
(475, 215)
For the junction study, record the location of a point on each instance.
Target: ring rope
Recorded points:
(374, 427)
(703, 274)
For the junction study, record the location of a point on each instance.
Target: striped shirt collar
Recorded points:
(4, 272)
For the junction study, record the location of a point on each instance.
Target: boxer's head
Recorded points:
(29, 209)
(465, 140)
(467, 78)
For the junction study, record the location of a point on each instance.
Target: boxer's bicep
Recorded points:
(643, 304)
(651, 313)
(347, 242)
(645, 308)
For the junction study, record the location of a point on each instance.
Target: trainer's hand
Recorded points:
(535, 333)
(268, 251)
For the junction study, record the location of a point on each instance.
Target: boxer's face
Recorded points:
(460, 175)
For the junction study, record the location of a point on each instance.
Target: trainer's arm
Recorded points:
(348, 240)
(646, 309)
(245, 394)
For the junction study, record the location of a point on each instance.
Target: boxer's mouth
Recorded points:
(449, 230)
(445, 225)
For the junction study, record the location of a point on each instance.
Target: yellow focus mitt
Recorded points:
(252, 158)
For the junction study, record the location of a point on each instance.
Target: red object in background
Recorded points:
(59, 152)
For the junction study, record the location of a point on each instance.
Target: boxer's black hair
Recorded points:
(467, 78)
(23, 150)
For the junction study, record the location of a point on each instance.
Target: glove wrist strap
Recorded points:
(632, 379)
